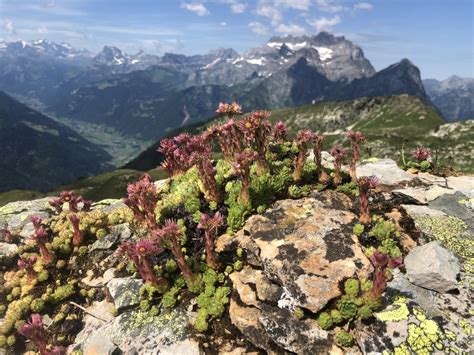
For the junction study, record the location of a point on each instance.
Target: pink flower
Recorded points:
(280, 131)
(229, 108)
(145, 248)
(338, 152)
(34, 331)
(356, 136)
(421, 154)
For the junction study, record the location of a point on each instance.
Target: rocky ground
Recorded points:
(297, 255)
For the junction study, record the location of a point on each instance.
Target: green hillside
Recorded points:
(390, 123)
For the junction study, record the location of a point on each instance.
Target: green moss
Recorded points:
(201, 324)
(390, 247)
(325, 320)
(171, 266)
(37, 305)
(358, 229)
(349, 188)
(236, 217)
(365, 312)
(383, 229)
(351, 287)
(344, 338)
(347, 307)
(238, 265)
(11, 340)
(62, 292)
(336, 316)
(298, 313)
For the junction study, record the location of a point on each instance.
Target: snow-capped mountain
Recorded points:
(42, 47)
(334, 57)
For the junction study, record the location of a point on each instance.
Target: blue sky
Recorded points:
(437, 35)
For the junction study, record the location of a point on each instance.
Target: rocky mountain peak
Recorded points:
(111, 55)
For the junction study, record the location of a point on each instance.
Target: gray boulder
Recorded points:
(124, 292)
(433, 267)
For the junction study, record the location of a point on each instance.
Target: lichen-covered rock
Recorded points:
(16, 215)
(117, 233)
(433, 267)
(306, 246)
(124, 292)
(137, 332)
(437, 325)
(268, 326)
(386, 170)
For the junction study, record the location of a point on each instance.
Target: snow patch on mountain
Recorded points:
(292, 46)
(256, 61)
(324, 53)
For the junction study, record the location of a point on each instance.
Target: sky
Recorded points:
(436, 35)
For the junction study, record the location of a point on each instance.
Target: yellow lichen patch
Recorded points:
(465, 326)
(400, 311)
(453, 234)
(401, 350)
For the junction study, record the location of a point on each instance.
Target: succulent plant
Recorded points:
(242, 169)
(140, 253)
(27, 264)
(323, 177)
(383, 265)
(256, 128)
(172, 235)
(35, 332)
(210, 225)
(40, 236)
(339, 154)
(365, 183)
(77, 237)
(421, 154)
(356, 139)
(230, 109)
(280, 131)
(303, 138)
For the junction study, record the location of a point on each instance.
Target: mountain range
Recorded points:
(121, 103)
(145, 96)
(454, 97)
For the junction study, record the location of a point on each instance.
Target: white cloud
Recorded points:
(258, 28)
(329, 6)
(9, 27)
(293, 4)
(198, 8)
(363, 6)
(270, 12)
(290, 29)
(324, 23)
(223, 24)
(238, 8)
